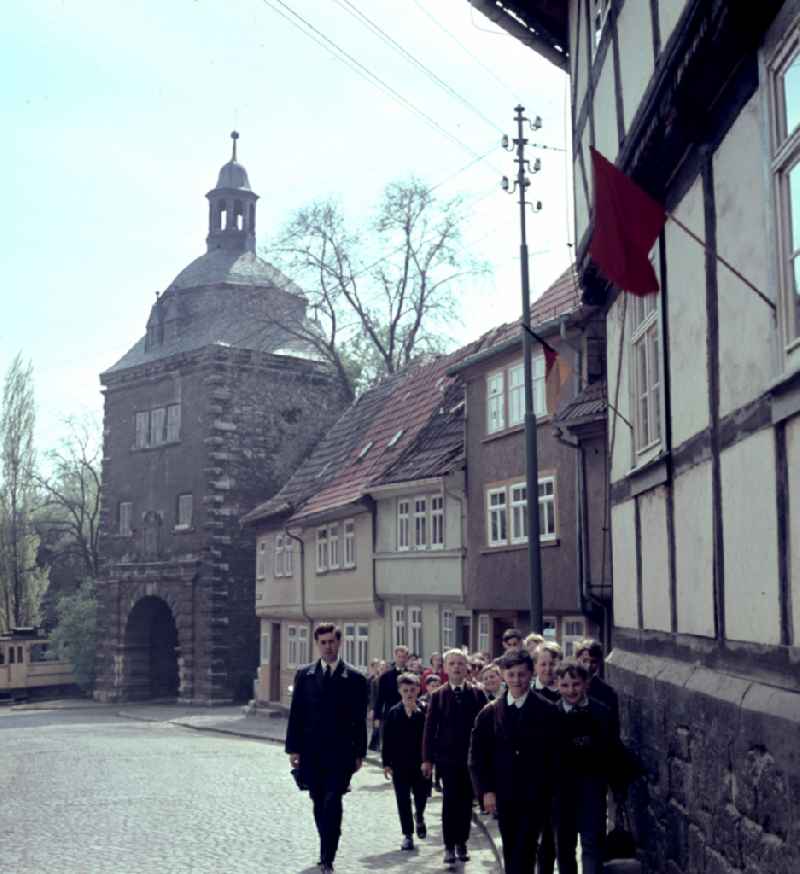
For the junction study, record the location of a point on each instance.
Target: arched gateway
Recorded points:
(151, 651)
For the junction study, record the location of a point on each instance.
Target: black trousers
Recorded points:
(456, 804)
(520, 829)
(408, 784)
(581, 810)
(326, 789)
(546, 857)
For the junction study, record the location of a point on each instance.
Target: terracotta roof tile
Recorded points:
(588, 405)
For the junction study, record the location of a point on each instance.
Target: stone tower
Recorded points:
(205, 416)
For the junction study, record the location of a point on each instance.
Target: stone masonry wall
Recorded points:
(722, 754)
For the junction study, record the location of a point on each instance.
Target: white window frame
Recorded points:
(261, 558)
(399, 630)
(355, 636)
(334, 547)
(125, 518)
(349, 538)
(437, 522)
(288, 552)
(421, 522)
(785, 157)
(495, 402)
(265, 646)
(403, 525)
(646, 374)
(484, 633)
(184, 520)
(296, 645)
(448, 629)
(415, 641)
(518, 506)
(516, 394)
(322, 549)
(547, 500)
(570, 638)
(498, 511)
(279, 556)
(158, 426)
(549, 627)
(539, 386)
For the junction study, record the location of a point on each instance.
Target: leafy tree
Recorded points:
(380, 297)
(21, 580)
(75, 635)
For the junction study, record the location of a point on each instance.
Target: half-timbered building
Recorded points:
(698, 101)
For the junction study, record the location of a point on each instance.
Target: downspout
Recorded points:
(299, 540)
(463, 533)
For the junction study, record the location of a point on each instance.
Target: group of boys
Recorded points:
(534, 737)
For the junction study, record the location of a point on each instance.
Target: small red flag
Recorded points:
(627, 221)
(550, 356)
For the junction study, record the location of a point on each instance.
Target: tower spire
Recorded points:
(234, 137)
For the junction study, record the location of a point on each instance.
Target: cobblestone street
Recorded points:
(90, 792)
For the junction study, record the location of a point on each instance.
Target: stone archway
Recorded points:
(151, 651)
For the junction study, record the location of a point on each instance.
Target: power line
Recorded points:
(513, 92)
(350, 7)
(362, 70)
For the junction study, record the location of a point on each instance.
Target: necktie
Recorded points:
(327, 673)
(458, 693)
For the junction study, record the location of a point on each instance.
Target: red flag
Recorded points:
(550, 356)
(627, 221)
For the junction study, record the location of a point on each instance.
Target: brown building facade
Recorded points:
(575, 579)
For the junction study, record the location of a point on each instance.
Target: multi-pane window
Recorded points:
(125, 518)
(505, 395)
(403, 508)
(158, 426)
(646, 381)
(785, 104)
(495, 403)
(283, 556)
(297, 638)
(420, 523)
(333, 547)
(415, 629)
(483, 633)
(574, 632)
(356, 644)
(448, 629)
(185, 507)
(507, 512)
(547, 508)
(497, 516)
(322, 549)
(399, 636)
(173, 423)
(261, 559)
(265, 647)
(437, 521)
(516, 394)
(349, 527)
(519, 513)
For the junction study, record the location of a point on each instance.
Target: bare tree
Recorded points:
(379, 298)
(21, 579)
(69, 508)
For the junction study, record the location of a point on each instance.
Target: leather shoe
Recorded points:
(408, 843)
(449, 856)
(422, 829)
(463, 855)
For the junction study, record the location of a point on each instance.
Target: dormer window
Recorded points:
(364, 450)
(393, 441)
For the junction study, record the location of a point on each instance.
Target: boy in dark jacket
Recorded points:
(514, 761)
(402, 758)
(448, 725)
(589, 748)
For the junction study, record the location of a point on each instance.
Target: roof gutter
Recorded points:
(545, 329)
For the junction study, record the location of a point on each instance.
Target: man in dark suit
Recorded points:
(514, 762)
(445, 743)
(326, 738)
(388, 693)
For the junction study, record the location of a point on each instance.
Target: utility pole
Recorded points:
(531, 445)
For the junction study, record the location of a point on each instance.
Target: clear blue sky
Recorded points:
(116, 118)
